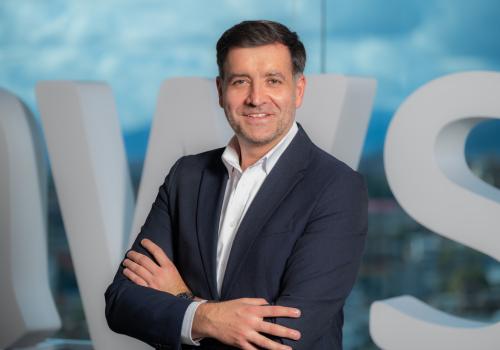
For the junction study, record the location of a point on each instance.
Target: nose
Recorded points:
(256, 95)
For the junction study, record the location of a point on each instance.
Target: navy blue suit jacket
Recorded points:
(299, 245)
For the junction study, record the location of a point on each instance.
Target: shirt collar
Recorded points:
(231, 155)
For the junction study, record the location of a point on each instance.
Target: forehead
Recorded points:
(259, 59)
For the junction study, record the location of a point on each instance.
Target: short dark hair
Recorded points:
(258, 33)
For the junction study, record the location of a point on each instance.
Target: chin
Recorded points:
(260, 140)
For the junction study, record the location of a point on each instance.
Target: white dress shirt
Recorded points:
(241, 188)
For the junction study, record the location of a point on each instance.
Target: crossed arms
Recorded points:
(236, 322)
(141, 301)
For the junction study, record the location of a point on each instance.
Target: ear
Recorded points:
(219, 82)
(300, 87)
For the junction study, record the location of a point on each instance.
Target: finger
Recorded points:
(278, 311)
(156, 251)
(266, 343)
(254, 301)
(134, 278)
(143, 260)
(138, 270)
(248, 346)
(278, 330)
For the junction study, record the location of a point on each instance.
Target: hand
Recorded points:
(239, 323)
(143, 271)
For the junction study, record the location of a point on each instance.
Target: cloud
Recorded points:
(466, 28)
(361, 18)
(135, 45)
(406, 44)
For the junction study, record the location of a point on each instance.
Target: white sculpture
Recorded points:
(28, 313)
(335, 113)
(427, 172)
(93, 186)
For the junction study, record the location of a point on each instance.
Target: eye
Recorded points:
(273, 81)
(238, 82)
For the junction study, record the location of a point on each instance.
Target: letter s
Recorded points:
(428, 174)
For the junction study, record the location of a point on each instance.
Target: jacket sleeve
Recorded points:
(322, 268)
(149, 315)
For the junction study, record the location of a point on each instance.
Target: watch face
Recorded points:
(186, 295)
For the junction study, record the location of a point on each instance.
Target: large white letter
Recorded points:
(94, 190)
(426, 169)
(335, 113)
(28, 314)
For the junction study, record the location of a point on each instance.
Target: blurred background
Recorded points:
(135, 45)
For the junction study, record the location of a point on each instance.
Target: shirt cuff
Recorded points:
(187, 324)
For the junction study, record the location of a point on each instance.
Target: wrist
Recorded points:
(201, 321)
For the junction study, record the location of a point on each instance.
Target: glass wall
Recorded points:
(135, 45)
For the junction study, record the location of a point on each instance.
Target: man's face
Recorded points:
(259, 93)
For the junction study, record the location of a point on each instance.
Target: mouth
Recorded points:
(257, 115)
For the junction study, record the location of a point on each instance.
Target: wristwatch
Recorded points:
(186, 295)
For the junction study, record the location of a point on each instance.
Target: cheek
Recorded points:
(233, 100)
(284, 101)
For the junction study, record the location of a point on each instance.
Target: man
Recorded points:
(255, 245)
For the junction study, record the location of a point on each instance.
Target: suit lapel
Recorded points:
(210, 197)
(285, 175)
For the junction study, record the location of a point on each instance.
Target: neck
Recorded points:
(250, 153)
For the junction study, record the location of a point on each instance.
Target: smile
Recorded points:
(257, 115)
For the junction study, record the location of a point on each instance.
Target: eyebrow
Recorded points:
(244, 75)
(237, 75)
(276, 75)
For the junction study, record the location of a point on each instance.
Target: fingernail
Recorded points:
(297, 312)
(296, 335)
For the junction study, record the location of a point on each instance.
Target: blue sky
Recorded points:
(135, 45)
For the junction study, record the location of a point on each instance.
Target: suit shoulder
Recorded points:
(337, 185)
(188, 169)
(199, 161)
(332, 168)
